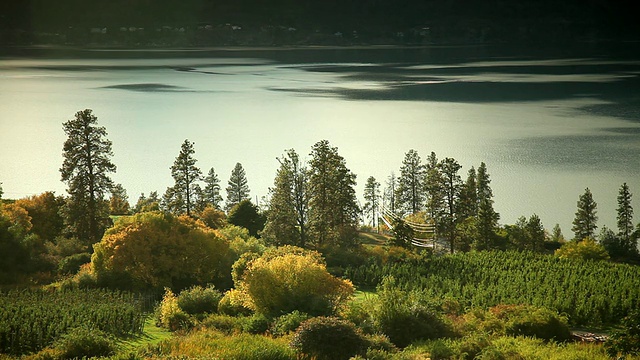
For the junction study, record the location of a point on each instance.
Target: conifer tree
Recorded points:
(185, 173)
(287, 217)
(389, 200)
(334, 211)
(411, 196)
(211, 192)
(468, 205)
(487, 217)
(451, 185)
(584, 224)
(119, 201)
(625, 216)
(372, 199)
(238, 188)
(556, 234)
(434, 183)
(85, 169)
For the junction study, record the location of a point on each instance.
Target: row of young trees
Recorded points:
(461, 211)
(463, 214)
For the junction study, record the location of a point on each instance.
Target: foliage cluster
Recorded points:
(155, 250)
(32, 320)
(329, 338)
(588, 292)
(288, 278)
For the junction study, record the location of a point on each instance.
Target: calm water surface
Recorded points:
(547, 126)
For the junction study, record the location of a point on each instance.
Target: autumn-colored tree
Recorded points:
(213, 217)
(44, 210)
(156, 250)
(289, 278)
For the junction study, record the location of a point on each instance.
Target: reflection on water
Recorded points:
(546, 127)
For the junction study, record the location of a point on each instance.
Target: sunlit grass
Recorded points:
(151, 335)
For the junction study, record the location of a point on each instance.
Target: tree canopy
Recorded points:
(87, 163)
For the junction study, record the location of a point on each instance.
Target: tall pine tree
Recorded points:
(238, 188)
(448, 218)
(372, 200)
(411, 195)
(211, 193)
(185, 174)
(287, 218)
(625, 216)
(85, 169)
(334, 211)
(487, 217)
(584, 224)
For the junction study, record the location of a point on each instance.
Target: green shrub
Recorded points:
(84, 342)
(224, 323)
(255, 324)
(233, 303)
(470, 347)
(526, 320)
(407, 316)
(440, 349)
(627, 339)
(329, 338)
(71, 264)
(170, 316)
(199, 300)
(287, 323)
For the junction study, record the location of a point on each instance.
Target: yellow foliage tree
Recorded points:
(157, 250)
(289, 278)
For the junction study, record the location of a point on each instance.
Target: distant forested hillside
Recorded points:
(314, 21)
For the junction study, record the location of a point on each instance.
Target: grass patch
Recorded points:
(151, 335)
(373, 239)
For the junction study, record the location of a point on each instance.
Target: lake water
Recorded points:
(546, 125)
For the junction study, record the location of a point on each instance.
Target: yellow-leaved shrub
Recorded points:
(288, 278)
(154, 250)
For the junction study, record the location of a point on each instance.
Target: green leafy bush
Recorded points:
(329, 338)
(407, 316)
(199, 300)
(524, 320)
(256, 324)
(224, 323)
(83, 342)
(233, 303)
(170, 316)
(287, 323)
(71, 264)
(627, 339)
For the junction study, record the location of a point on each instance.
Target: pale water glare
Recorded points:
(546, 128)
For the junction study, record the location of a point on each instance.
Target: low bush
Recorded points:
(199, 300)
(526, 320)
(211, 344)
(233, 303)
(287, 323)
(224, 323)
(407, 316)
(255, 324)
(71, 264)
(170, 316)
(329, 338)
(84, 342)
(626, 340)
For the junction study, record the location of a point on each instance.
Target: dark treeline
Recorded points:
(315, 21)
